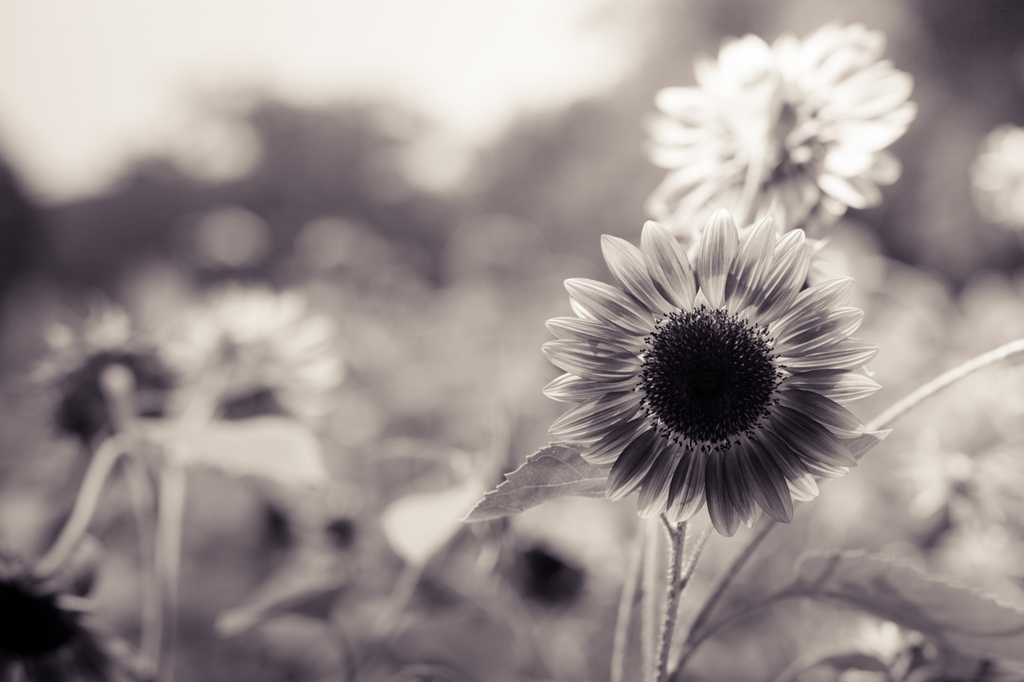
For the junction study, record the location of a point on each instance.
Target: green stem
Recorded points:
(676, 536)
(102, 463)
(630, 585)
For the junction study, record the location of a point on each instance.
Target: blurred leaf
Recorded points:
(276, 448)
(955, 617)
(851, 660)
(418, 525)
(552, 472)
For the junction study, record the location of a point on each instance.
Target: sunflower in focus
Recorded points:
(796, 130)
(722, 383)
(260, 351)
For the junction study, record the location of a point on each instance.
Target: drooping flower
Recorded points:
(79, 357)
(997, 177)
(264, 350)
(42, 639)
(724, 382)
(796, 130)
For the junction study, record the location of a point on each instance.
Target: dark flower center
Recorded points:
(708, 376)
(31, 625)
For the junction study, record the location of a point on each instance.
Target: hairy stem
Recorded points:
(676, 536)
(630, 585)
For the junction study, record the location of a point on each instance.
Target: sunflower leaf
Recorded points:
(555, 471)
(955, 617)
(274, 448)
(860, 445)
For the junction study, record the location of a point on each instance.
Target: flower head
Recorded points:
(795, 130)
(724, 382)
(268, 354)
(78, 359)
(43, 637)
(997, 177)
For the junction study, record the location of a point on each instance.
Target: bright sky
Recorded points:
(85, 85)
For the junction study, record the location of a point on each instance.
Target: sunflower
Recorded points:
(723, 382)
(44, 638)
(795, 130)
(264, 350)
(80, 355)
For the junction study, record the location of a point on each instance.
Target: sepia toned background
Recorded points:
(427, 174)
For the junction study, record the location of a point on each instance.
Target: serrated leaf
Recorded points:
(276, 448)
(555, 471)
(953, 616)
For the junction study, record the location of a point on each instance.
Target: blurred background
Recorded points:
(427, 173)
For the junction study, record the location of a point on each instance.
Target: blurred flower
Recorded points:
(722, 384)
(543, 576)
(79, 358)
(795, 130)
(263, 350)
(997, 177)
(43, 637)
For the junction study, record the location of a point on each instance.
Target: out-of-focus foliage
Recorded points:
(438, 302)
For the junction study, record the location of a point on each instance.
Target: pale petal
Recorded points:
(818, 331)
(809, 439)
(589, 419)
(751, 265)
(834, 293)
(836, 418)
(848, 354)
(686, 492)
(609, 304)
(626, 263)
(788, 273)
(843, 387)
(718, 247)
(633, 464)
(667, 265)
(607, 449)
(594, 361)
(804, 488)
(570, 388)
(719, 493)
(765, 480)
(655, 487)
(573, 328)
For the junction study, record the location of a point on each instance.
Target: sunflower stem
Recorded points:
(168, 556)
(150, 606)
(102, 463)
(630, 585)
(942, 381)
(676, 538)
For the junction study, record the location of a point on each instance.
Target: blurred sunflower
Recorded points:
(262, 350)
(78, 359)
(795, 130)
(997, 177)
(43, 638)
(723, 384)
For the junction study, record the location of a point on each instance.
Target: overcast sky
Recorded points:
(85, 85)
